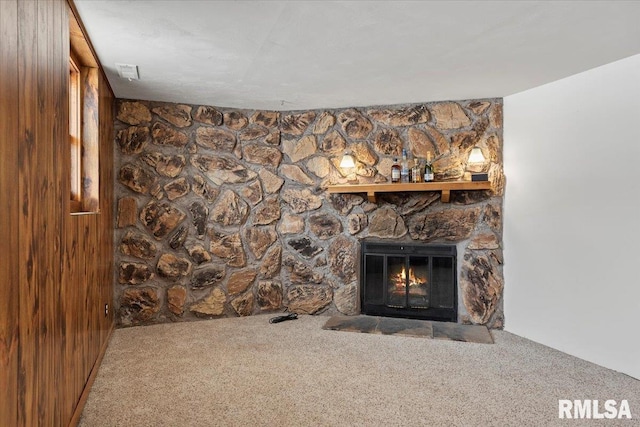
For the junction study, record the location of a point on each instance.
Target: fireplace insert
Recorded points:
(411, 280)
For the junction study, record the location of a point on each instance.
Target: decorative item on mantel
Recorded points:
(395, 171)
(405, 170)
(428, 169)
(444, 187)
(476, 161)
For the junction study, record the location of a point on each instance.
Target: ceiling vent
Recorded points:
(128, 71)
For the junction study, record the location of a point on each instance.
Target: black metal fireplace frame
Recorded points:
(407, 249)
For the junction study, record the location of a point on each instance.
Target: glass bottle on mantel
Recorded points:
(404, 171)
(428, 169)
(416, 173)
(395, 171)
(412, 164)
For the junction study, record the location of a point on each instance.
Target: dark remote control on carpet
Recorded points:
(279, 319)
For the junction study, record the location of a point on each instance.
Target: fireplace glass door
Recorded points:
(416, 281)
(408, 282)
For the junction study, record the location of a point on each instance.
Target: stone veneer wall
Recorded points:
(224, 212)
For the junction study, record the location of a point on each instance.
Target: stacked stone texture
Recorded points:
(225, 212)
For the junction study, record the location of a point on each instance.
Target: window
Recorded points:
(84, 124)
(75, 137)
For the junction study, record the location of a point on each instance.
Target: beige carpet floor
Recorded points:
(248, 372)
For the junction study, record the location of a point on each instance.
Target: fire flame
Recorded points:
(401, 279)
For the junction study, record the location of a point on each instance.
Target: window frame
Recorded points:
(75, 133)
(84, 122)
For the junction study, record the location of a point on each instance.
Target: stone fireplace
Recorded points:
(409, 280)
(224, 212)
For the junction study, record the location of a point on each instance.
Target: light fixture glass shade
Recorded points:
(476, 155)
(347, 162)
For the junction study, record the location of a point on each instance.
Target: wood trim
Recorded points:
(76, 207)
(90, 172)
(75, 131)
(76, 22)
(85, 174)
(82, 401)
(80, 49)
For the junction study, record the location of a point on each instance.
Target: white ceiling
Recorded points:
(286, 55)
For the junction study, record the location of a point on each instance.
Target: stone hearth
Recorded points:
(410, 328)
(225, 212)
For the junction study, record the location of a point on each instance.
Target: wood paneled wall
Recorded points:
(9, 211)
(56, 272)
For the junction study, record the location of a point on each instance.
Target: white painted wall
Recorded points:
(572, 215)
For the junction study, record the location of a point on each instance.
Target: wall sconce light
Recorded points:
(476, 155)
(476, 161)
(347, 161)
(348, 167)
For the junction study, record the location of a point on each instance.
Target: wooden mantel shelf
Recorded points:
(443, 186)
